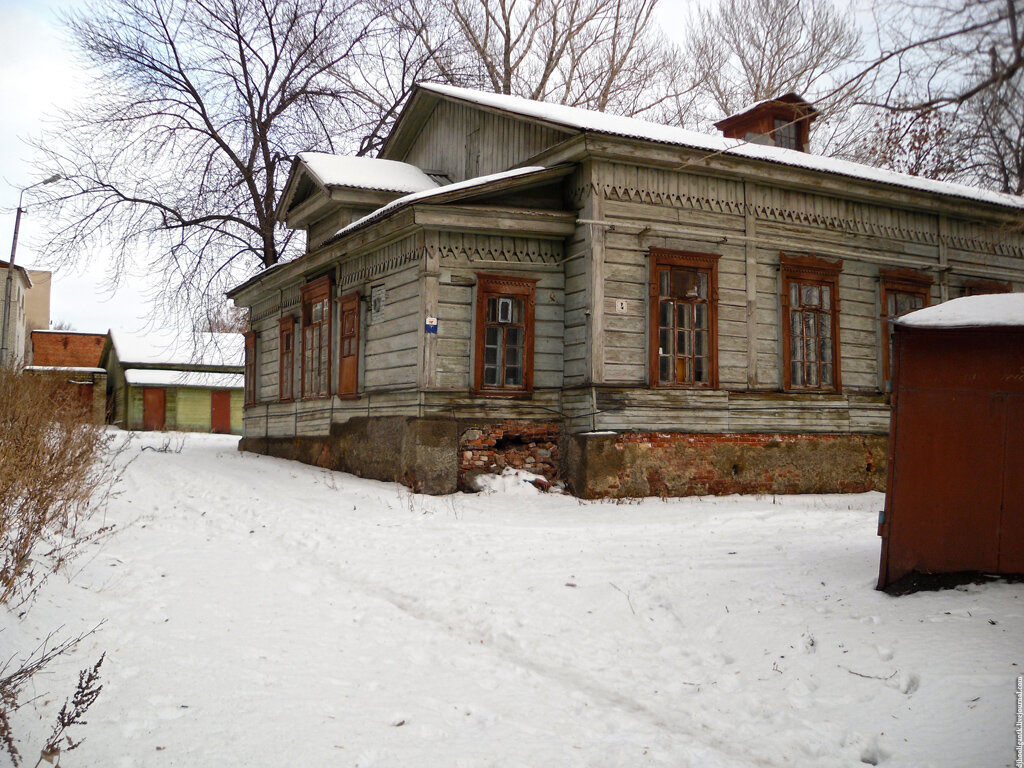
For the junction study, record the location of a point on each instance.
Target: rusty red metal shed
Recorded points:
(955, 498)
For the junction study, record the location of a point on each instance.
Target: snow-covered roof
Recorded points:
(631, 127)
(165, 347)
(159, 377)
(365, 173)
(994, 310)
(479, 181)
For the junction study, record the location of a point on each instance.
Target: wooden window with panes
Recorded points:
(316, 338)
(249, 379)
(504, 335)
(902, 291)
(348, 352)
(683, 319)
(810, 323)
(286, 351)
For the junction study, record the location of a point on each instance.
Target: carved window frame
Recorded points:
(812, 272)
(286, 359)
(986, 287)
(704, 264)
(895, 283)
(316, 294)
(498, 287)
(249, 377)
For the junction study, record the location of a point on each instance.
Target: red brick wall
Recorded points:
(492, 446)
(75, 350)
(697, 464)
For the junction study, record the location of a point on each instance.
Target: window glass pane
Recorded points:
(794, 294)
(491, 375)
(700, 339)
(513, 356)
(517, 310)
(812, 375)
(492, 310)
(666, 314)
(665, 340)
(811, 324)
(797, 374)
(665, 368)
(663, 283)
(702, 291)
(811, 295)
(826, 297)
(700, 368)
(826, 350)
(683, 342)
(890, 304)
(683, 312)
(513, 376)
(826, 374)
(796, 326)
(684, 284)
(514, 337)
(701, 314)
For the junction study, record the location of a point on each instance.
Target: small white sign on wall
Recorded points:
(378, 297)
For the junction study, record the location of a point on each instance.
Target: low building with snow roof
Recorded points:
(165, 380)
(71, 359)
(632, 307)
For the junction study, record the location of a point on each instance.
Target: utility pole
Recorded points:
(4, 350)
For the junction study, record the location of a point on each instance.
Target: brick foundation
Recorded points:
(441, 455)
(691, 464)
(492, 446)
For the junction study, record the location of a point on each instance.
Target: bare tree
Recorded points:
(927, 143)
(745, 51)
(182, 148)
(607, 55)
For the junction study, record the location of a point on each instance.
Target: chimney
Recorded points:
(784, 121)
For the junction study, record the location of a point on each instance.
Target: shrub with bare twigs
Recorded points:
(57, 470)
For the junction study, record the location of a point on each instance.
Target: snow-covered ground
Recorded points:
(261, 612)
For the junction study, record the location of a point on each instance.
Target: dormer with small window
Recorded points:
(781, 122)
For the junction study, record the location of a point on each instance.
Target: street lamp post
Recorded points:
(4, 352)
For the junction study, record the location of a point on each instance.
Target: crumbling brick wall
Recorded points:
(492, 446)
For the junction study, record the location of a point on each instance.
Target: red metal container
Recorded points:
(955, 498)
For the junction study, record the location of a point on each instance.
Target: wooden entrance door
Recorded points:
(153, 404)
(220, 411)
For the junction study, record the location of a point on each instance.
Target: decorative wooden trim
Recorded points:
(899, 281)
(822, 272)
(250, 364)
(507, 285)
(904, 276)
(697, 260)
(984, 287)
(312, 292)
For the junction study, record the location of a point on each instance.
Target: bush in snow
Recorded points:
(56, 470)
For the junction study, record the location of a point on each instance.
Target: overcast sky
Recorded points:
(37, 75)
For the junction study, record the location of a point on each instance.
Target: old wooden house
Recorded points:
(635, 308)
(165, 380)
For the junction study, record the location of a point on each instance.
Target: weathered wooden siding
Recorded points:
(748, 225)
(461, 256)
(463, 142)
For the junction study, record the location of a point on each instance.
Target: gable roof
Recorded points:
(20, 270)
(582, 120)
